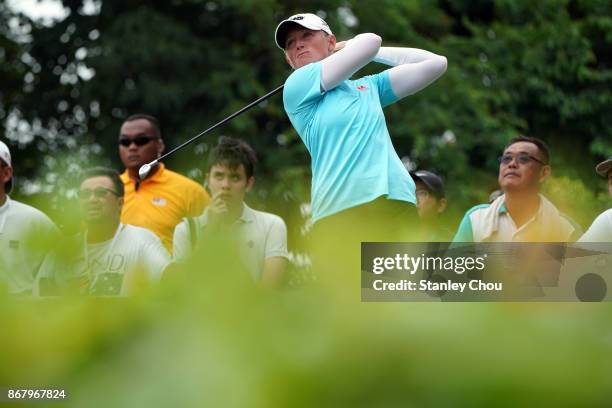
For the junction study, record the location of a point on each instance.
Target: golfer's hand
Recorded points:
(218, 209)
(339, 45)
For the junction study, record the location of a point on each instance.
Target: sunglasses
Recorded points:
(521, 158)
(138, 140)
(98, 192)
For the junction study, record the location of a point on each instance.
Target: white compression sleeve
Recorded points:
(355, 55)
(413, 69)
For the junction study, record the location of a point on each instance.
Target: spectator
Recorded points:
(262, 237)
(431, 203)
(601, 229)
(495, 195)
(604, 169)
(108, 258)
(26, 235)
(161, 200)
(521, 214)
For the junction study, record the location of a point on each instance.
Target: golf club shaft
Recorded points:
(230, 117)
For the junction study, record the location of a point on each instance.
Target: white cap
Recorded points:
(306, 20)
(5, 156)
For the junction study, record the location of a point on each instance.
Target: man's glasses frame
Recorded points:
(521, 158)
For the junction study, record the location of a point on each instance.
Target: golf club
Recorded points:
(144, 170)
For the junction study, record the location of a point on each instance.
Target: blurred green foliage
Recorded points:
(209, 337)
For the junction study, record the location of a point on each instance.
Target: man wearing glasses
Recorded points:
(164, 198)
(26, 235)
(108, 258)
(521, 214)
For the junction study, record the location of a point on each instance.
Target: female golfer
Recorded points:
(358, 180)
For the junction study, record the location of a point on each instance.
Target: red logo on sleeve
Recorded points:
(362, 88)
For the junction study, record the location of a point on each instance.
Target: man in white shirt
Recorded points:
(262, 237)
(26, 235)
(108, 258)
(604, 169)
(601, 229)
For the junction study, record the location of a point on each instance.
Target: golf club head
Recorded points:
(144, 170)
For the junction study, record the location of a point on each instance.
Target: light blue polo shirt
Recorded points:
(344, 129)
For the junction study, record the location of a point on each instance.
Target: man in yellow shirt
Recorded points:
(164, 198)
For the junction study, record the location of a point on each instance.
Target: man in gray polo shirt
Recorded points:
(26, 235)
(262, 236)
